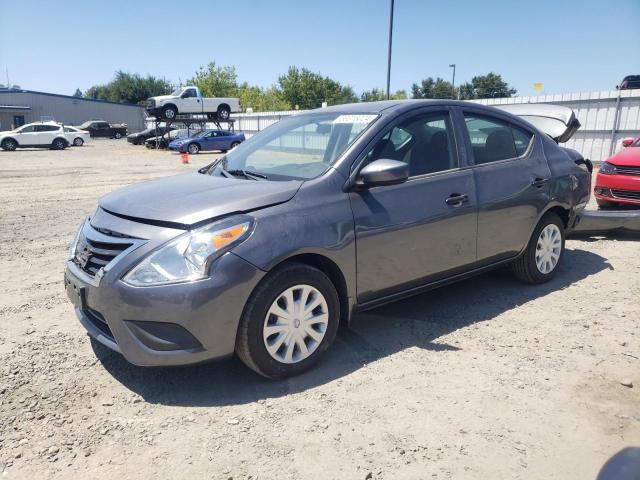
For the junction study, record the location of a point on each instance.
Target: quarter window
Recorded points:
(493, 140)
(424, 141)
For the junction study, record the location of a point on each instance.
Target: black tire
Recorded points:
(169, 112)
(58, 144)
(224, 112)
(117, 135)
(250, 345)
(9, 144)
(525, 267)
(605, 204)
(234, 145)
(193, 148)
(78, 142)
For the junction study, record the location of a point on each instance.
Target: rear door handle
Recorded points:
(539, 182)
(456, 199)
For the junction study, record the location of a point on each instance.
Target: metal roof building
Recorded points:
(18, 107)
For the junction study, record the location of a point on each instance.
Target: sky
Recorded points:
(568, 45)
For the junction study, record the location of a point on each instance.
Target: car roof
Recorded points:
(396, 106)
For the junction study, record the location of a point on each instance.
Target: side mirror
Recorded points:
(384, 172)
(627, 142)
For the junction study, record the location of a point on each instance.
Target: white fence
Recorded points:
(606, 117)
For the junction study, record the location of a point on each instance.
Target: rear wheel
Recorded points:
(224, 112)
(288, 322)
(193, 148)
(9, 144)
(78, 142)
(117, 135)
(540, 260)
(59, 144)
(604, 204)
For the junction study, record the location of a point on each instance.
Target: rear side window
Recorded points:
(493, 139)
(47, 128)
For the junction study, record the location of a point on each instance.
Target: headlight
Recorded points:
(187, 257)
(74, 243)
(608, 169)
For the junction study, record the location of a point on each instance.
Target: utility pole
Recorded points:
(389, 55)
(453, 79)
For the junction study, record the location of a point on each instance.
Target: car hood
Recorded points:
(160, 98)
(184, 200)
(628, 157)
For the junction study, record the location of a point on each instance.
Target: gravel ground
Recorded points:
(484, 379)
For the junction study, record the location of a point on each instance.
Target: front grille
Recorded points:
(626, 170)
(98, 321)
(92, 255)
(626, 194)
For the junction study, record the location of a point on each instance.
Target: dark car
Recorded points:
(630, 82)
(206, 141)
(265, 251)
(139, 138)
(100, 128)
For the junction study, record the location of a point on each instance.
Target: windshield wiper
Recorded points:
(247, 174)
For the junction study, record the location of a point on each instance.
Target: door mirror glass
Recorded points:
(384, 172)
(627, 142)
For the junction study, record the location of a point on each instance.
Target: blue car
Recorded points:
(207, 140)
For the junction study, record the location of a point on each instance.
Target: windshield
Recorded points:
(177, 92)
(299, 147)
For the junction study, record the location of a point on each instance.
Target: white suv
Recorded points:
(39, 134)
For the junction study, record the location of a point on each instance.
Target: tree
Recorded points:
(377, 94)
(306, 89)
(129, 88)
(490, 85)
(261, 100)
(214, 81)
(78, 93)
(430, 88)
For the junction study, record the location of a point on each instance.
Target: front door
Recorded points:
(190, 103)
(512, 183)
(423, 229)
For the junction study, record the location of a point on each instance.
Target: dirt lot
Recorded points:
(484, 379)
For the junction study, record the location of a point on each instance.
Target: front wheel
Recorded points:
(78, 142)
(234, 145)
(169, 112)
(9, 145)
(540, 260)
(288, 322)
(193, 148)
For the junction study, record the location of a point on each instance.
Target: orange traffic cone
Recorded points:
(185, 158)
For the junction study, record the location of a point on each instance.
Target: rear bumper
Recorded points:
(166, 325)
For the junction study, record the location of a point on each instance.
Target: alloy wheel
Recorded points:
(295, 324)
(548, 248)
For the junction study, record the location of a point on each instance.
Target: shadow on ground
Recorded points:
(416, 322)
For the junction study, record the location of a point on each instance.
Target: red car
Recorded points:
(618, 180)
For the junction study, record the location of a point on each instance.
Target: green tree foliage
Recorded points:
(260, 99)
(306, 89)
(490, 85)
(377, 94)
(78, 93)
(430, 88)
(129, 88)
(215, 81)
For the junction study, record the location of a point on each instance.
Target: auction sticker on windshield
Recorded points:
(355, 119)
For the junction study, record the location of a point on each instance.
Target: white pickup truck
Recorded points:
(189, 100)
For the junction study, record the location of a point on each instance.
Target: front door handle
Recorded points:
(539, 182)
(456, 199)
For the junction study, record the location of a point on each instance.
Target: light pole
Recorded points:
(389, 55)
(453, 79)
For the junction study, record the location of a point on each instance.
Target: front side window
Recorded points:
(425, 142)
(299, 147)
(493, 139)
(189, 93)
(29, 129)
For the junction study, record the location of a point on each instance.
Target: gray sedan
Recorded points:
(266, 251)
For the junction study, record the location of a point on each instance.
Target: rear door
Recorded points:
(512, 182)
(46, 134)
(425, 228)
